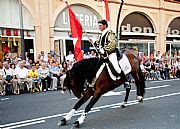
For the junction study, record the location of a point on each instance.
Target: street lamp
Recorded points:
(21, 30)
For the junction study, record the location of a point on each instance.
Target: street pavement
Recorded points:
(160, 109)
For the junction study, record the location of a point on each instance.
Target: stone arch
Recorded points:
(81, 2)
(30, 10)
(170, 21)
(147, 15)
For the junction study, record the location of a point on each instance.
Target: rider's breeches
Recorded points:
(114, 61)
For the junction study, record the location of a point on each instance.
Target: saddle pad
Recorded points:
(125, 64)
(109, 71)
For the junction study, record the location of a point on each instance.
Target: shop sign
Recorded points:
(136, 29)
(173, 31)
(87, 17)
(86, 20)
(13, 32)
(137, 23)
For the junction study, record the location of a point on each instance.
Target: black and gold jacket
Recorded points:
(107, 42)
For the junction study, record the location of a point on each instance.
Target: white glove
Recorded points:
(101, 50)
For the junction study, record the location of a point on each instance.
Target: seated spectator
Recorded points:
(34, 76)
(143, 69)
(147, 65)
(22, 76)
(178, 68)
(8, 78)
(64, 70)
(160, 68)
(55, 75)
(2, 88)
(45, 77)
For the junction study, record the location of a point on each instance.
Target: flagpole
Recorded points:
(122, 1)
(90, 40)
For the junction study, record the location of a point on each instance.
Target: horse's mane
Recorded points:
(85, 69)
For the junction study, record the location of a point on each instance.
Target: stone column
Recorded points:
(161, 36)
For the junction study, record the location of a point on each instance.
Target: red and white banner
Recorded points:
(76, 30)
(107, 10)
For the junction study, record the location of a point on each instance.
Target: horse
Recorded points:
(85, 71)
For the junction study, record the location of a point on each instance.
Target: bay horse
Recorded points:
(86, 70)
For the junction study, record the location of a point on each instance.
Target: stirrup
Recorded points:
(127, 85)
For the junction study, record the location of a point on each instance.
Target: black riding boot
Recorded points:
(129, 78)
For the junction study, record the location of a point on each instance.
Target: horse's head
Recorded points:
(83, 70)
(70, 84)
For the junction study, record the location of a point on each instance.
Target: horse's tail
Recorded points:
(142, 82)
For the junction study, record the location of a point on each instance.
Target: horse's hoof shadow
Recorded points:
(62, 122)
(76, 124)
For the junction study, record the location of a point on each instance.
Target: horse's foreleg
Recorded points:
(93, 100)
(139, 95)
(77, 105)
(128, 88)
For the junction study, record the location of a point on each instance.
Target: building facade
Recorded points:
(144, 24)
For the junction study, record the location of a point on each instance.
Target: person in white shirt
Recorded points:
(22, 76)
(70, 57)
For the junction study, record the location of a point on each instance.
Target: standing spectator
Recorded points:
(7, 57)
(158, 56)
(70, 57)
(93, 54)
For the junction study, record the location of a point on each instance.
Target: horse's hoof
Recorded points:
(124, 104)
(76, 124)
(141, 100)
(62, 122)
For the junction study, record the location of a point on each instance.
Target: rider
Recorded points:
(107, 45)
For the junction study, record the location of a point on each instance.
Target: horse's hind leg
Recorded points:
(93, 100)
(69, 115)
(128, 88)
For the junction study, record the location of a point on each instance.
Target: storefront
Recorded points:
(173, 36)
(10, 30)
(137, 32)
(62, 36)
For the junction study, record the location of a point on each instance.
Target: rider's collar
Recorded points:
(104, 31)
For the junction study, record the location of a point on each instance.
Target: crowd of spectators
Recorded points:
(47, 73)
(160, 66)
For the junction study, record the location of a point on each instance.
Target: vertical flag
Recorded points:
(107, 10)
(76, 30)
